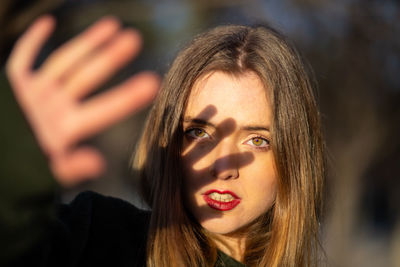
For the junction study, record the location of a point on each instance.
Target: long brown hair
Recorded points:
(288, 234)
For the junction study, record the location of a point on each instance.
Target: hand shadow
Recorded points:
(227, 162)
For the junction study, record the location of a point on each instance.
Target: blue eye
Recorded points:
(197, 133)
(258, 142)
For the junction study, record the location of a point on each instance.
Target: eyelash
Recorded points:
(264, 140)
(192, 134)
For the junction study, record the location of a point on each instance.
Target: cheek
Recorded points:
(195, 168)
(261, 180)
(194, 178)
(196, 156)
(193, 182)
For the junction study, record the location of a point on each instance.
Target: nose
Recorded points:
(225, 165)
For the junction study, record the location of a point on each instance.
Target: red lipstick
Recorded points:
(221, 205)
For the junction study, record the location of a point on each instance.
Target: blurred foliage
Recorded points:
(354, 49)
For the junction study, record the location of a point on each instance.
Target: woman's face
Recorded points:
(230, 178)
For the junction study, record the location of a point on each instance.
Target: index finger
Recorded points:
(69, 56)
(28, 46)
(109, 107)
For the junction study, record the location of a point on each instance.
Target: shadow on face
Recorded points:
(226, 155)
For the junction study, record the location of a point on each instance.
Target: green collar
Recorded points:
(224, 260)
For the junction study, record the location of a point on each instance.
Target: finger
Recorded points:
(73, 52)
(103, 64)
(112, 106)
(82, 164)
(28, 46)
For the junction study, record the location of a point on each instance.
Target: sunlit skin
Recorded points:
(227, 121)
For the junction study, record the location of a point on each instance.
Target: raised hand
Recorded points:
(52, 96)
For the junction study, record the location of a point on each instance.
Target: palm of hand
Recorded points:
(51, 97)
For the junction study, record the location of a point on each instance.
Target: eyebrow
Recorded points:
(207, 123)
(198, 121)
(254, 128)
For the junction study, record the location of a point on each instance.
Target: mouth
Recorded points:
(221, 200)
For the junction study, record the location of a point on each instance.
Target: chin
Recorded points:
(220, 225)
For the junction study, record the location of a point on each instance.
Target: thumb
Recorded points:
(82, 164)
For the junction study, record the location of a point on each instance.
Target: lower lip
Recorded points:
(219, 205)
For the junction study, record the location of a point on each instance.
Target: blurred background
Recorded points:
(353, 47)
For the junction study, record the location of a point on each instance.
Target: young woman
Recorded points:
(231, 157)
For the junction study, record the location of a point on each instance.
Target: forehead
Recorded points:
(242, 97)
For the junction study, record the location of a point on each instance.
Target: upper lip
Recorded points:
(222, 192)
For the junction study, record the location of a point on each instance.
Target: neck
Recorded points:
(233, 245)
